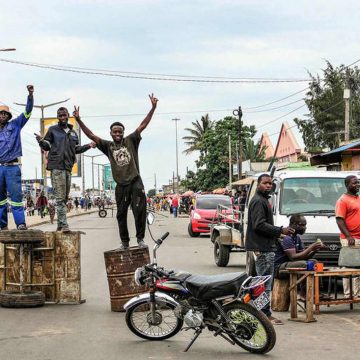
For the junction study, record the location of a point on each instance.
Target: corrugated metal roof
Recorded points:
(342, 148)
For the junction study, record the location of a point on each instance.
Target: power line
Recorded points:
(273, 102)
(150, 77)
(275, 108)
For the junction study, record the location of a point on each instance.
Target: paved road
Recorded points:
(92, 331)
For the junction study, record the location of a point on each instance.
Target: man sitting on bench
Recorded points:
(290, 251)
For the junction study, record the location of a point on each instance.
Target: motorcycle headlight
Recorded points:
(138, 276)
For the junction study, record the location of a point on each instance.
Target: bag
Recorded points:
(349, 257)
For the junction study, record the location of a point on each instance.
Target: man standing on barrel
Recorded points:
(123, 155)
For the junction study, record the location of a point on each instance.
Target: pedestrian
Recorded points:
(30, 206)
(62, 142)
(291, 253)
(175, 205)
(347, 212)
(42, 203)
(262, 235)
(123, 155)
(10, 172)
(76, 203)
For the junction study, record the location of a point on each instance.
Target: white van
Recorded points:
(313, 194)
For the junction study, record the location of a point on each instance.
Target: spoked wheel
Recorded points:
(254, 332)
(160, 326)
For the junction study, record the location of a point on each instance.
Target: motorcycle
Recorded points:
(229, 305)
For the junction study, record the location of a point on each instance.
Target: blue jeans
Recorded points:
(10, 182)
(175, 209)
(265, 266)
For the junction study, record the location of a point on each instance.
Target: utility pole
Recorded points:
(173, 183)
(177, 155)
(92, 168)
(155, 183)
(238, 113)
(42, 130)
(230, 161)
(347, 95)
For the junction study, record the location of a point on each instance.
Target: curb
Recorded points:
(71, 216)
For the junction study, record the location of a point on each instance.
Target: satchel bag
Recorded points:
(349, 257)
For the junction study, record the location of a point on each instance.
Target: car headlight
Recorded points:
(197, 216)
(138, 276)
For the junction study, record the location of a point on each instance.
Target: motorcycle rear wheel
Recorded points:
(254, 333)
(139, 318)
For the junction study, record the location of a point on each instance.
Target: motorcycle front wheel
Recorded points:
(159, 326)
(254, 332)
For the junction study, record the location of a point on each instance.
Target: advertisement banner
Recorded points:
(44, 126)
(109, 183)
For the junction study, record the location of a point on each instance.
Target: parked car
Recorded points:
(203, 212)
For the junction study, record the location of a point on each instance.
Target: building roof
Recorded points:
(334, 155)
(287, 143)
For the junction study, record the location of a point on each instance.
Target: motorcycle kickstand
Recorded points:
(198, 331)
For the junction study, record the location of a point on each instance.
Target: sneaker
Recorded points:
(141, 244)
(124, 247)
(65, 229)
(22, 227)
(59, 228)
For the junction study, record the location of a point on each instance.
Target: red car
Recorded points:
(204, 211)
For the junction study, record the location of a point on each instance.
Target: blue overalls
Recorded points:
(10, 172)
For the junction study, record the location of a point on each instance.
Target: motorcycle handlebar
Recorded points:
(160, 241)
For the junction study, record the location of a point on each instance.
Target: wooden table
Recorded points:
(313, 292)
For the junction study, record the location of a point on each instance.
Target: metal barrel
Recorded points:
(120, 269)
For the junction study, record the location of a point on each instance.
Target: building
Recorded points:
(266, 143)
(287, 148)
(344, 158)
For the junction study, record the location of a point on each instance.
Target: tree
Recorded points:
(324, 125)
(213, 162)
(252, 152)
(151, 193)
(194, 140)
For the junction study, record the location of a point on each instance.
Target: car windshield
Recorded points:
(212, 203)
(313, 195)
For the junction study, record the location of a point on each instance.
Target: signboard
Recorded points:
(44, 126)
(109, 183)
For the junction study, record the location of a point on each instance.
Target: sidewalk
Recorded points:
(32, 221)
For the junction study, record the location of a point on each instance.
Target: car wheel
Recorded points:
(191, 232)
(250, 263)
(221, 253)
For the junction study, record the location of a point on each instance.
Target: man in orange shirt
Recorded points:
(347, 212)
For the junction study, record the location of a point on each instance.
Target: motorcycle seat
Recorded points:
(179, 275)
(207, 287)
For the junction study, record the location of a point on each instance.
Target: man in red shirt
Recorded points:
(175, 205)
(347, 212)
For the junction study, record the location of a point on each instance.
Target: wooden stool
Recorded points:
(280, 296)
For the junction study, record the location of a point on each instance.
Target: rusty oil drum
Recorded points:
(120, 269)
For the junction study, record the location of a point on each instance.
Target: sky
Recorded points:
(212, 38)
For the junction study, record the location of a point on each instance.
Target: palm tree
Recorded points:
(194, 140)
(252, 152)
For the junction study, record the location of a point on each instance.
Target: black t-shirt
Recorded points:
(123, 157)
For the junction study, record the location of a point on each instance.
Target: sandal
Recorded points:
(275, 321)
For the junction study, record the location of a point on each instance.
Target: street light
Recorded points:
(92, 165)
(177, 155)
